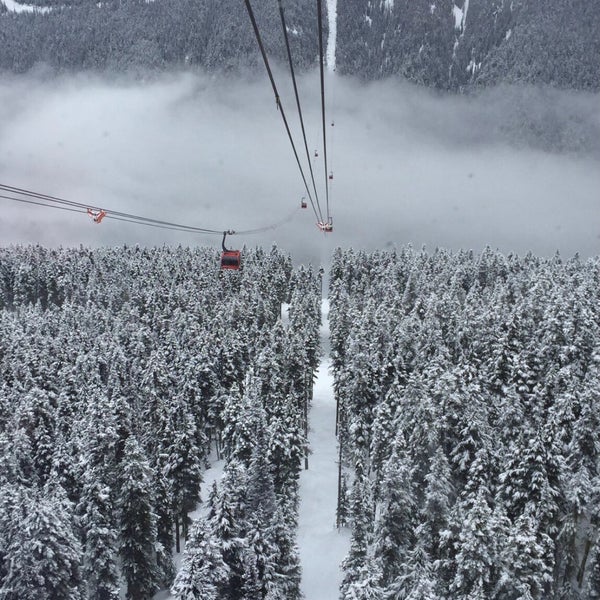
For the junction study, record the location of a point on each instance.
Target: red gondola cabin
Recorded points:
(231, 259)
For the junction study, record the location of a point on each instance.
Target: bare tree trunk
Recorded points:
(306, 393)
(339, 494)
(218, 445)
(581, 572)
(184, 525)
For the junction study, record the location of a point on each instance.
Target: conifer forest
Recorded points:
(468, 408)
(467, 390)
(356, 407)
(121, 368)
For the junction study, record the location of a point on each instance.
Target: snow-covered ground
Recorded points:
(332, 40)
(19, 8)
(460, 16)
(322, 546)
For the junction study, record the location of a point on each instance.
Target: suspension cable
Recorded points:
(84, 211)
(55, 202)
(113, 214)
(321, 69)
(25, 201)
(277, 97)
(183, 228)
(291, 64)
(272, 226)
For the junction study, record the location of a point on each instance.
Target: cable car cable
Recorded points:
(291, 63)
(41, 204)
(71, 206)
(83, 211)
(268, 227)
(182, 228)
(321, 68)
(277, 98)
(113, 214)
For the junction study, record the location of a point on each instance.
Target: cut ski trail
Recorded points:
(322, 546)
(332, 39)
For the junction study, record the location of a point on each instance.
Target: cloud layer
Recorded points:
(516, 169)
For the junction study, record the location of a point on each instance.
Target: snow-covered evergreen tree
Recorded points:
(203, 572)
(362, 526)
(486, 367)
(44, 553)
(97, 520)
(228, 519)
(137, 522)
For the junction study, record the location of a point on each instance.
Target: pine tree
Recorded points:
(286, 560)
(138, 531)
(44, 552)
(228, 525)
(593, 584)
(203, 573)
(367, 585)
(439, 496)
(261, 566)
(37, 418)
(181, 461)
(475, 550)
(396, 522)
(261, 506)
(261, 500)
(100, 549)
(418, 578)
(163, 504)
(252, 586)
(13, 509)
(342, 510)
(524, 570)
(362, 523)
(236, 434)
(286, 447)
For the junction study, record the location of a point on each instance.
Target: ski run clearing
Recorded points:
(322, 546)
(332, 39)
(17, 7)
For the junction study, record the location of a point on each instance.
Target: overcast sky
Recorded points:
(409, 166)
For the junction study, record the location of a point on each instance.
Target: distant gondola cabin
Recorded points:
(231, 260)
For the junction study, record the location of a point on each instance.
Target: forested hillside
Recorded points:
(120, 369)
(469, 422)
(451, 44)
(127, 35)
(445, 44)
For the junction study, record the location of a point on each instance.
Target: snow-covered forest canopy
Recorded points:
(468, 391)
(444, 44)
(120, 369)
(469, 406)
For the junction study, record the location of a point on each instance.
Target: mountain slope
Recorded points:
(131, 34)
(446, 44)
(449, 44)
